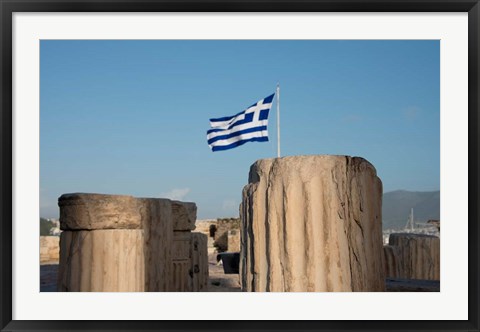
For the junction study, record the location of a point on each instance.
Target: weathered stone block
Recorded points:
(413, 256)
(97, 211)
(184, 215)
(312, 223)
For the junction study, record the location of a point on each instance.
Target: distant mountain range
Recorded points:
(397, 204)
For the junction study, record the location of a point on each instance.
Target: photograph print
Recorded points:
(239, 166)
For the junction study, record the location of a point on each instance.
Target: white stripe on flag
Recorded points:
(263, 133)
(225, 124)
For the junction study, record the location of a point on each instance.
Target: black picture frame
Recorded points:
(8, 7)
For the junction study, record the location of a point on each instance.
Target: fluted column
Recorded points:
(312, 223)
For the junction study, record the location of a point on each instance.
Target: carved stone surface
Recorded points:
(190, 262)
(182, 262)
(122, 243)
(312, 223)
(413, 256)
(199, 262)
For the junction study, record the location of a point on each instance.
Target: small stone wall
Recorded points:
(49, 249)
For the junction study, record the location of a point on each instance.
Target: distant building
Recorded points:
(55, 230)
(435, 223)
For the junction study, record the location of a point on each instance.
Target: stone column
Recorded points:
(413, 256)
(312, 223)
(101, 246)
(122, 243)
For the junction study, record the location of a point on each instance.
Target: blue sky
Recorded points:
(130, 117)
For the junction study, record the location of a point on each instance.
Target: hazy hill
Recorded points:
(45, 226)
(397, 205)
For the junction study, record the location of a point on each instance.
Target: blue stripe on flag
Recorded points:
(238, 143)
(240, 132)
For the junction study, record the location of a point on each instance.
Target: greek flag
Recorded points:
(247, 126)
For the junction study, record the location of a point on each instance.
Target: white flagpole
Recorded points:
(278, 120)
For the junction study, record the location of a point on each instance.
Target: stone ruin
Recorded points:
(312, 223)
(308, 223)
(412, 256)
(113, 243)
(223, 231)
(223, 234)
